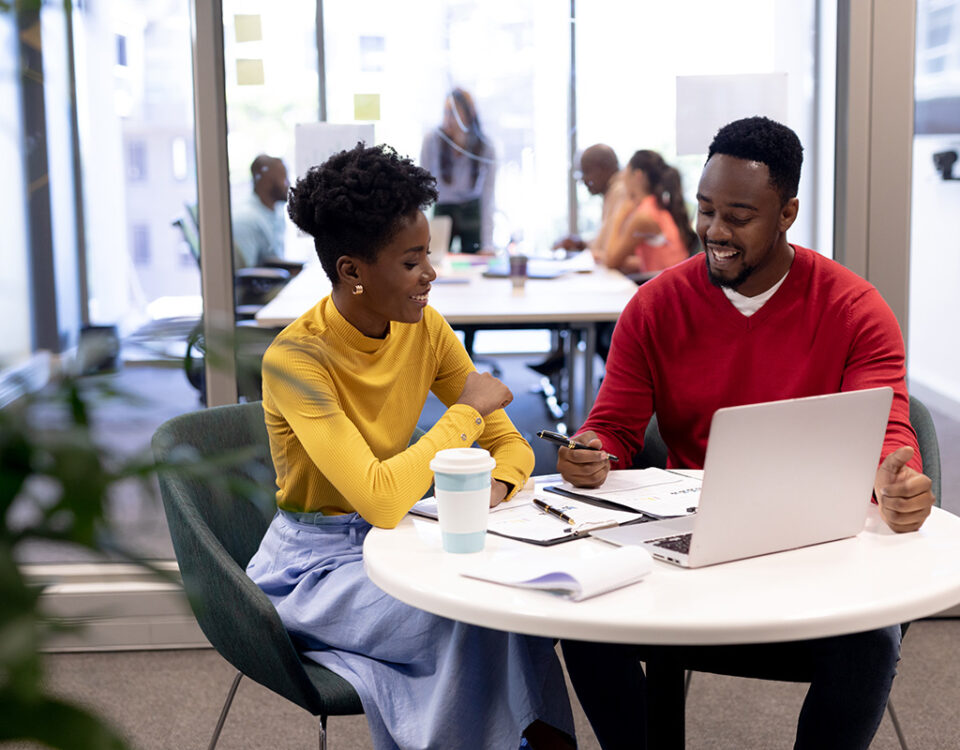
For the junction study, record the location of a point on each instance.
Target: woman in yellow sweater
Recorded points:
(343, 387)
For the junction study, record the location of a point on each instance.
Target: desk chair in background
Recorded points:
(216, 522)
(670, 682)
(253, 288)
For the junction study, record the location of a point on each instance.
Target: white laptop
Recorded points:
(777, 476)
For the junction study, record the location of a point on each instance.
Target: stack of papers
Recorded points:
(658, 493)
(575, 579)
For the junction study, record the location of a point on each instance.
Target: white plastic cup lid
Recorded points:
(463, 461)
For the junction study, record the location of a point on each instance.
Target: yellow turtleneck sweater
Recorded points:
(341, 408)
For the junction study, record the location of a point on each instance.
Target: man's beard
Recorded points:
(745, 273)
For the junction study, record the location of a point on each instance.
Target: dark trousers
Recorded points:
(466, 223)
(850, 678)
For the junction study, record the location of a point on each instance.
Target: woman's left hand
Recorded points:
(498, 491)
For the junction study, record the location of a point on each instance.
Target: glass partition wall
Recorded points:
(511, 56)
(665, 76)
(15, 345)
(271, 81)
(97, 110)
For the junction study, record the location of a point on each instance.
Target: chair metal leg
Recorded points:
(225, 710)
(323, 732)
(550, 399)
(896, 725)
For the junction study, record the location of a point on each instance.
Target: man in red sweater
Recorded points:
(751, 319)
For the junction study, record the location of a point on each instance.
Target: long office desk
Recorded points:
(578, 301)
(875, 579)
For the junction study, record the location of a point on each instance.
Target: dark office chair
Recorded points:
(253, 288)
(217, 516)
(670, 682)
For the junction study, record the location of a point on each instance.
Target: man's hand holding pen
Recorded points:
(584, 468)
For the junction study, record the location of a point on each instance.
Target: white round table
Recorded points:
(875, 579)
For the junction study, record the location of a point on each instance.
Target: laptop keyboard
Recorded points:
(679, 543)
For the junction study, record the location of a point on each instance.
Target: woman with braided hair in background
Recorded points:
(652, 230)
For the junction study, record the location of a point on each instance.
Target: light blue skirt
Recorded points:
(424, 681)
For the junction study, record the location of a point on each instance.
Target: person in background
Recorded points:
(343, 388)
(256, 221)
(600, 172)
(459, 155)
(751, 319)
(652, 230)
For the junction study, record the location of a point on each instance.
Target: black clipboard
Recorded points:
(567, 536)
(602, 503)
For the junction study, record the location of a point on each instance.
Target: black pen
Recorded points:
(553, 511)
(556, 437)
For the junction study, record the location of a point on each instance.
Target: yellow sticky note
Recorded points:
(247, 28)
(250, 72)
(366, 106)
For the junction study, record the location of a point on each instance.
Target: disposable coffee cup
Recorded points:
(462, 490)
(518, 271)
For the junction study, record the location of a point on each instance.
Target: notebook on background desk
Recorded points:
(777, 476)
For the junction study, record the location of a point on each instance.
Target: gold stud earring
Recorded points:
(358, 289)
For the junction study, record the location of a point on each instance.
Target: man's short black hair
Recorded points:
(357, 200)
(768, 142)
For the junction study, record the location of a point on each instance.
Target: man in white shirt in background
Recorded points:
(257, 222)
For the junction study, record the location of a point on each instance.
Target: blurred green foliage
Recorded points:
(54, 486)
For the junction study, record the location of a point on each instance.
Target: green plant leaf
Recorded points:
(55, 723)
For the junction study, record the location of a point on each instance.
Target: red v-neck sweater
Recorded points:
(682, 350)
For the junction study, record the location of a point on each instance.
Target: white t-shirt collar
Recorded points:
(749, 305)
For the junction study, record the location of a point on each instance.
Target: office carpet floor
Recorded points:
(170, 700)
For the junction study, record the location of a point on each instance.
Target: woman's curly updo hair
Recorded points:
(356, 202)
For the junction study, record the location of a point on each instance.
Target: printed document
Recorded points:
(656, 492)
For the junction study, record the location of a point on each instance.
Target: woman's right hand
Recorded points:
(484, 393)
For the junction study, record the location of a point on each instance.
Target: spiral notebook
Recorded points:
(576, 578)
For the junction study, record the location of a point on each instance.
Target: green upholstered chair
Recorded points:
(667, 680)
(217, 518)
(929, 446)
(930, 451)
